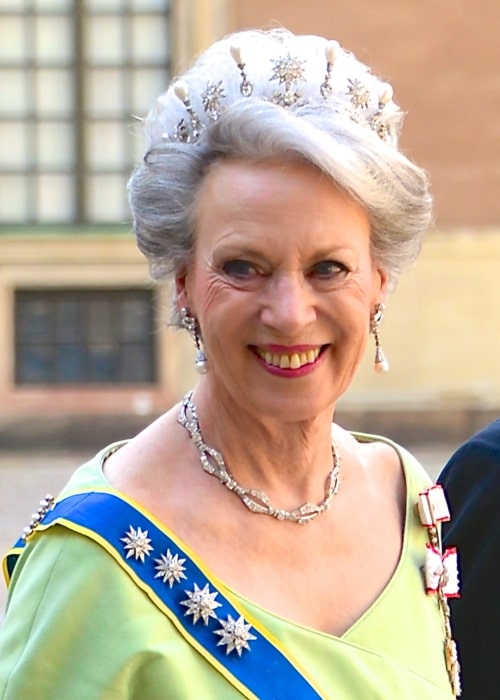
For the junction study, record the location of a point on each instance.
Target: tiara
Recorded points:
(288, 72)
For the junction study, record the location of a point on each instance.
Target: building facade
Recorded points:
(84, 338)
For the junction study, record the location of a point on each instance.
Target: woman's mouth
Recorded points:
(288, 360)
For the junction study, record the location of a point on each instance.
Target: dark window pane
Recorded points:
(69, 320)
(36, 321)
(70, 363)
(137, 363)
(100, 321)
(35, 363)
(103, 363)
(84, 336)
(136, 319)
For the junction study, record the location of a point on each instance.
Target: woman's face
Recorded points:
(282, 284)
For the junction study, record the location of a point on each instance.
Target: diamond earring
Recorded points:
(381, 364)
(191, 325)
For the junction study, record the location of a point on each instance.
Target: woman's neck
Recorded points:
(288, 459)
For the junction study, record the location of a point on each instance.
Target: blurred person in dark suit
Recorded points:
(471, 478)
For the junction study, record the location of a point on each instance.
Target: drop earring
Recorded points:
(191, 325)
(381, 364)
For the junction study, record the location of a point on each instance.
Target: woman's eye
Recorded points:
(328, 269)
(239, 268)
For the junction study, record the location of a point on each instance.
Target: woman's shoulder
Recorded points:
(90, 474)
(147, 459)
(388, 466)
(408, 461)
(67, 587)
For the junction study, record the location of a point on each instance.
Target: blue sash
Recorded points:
(219, 628)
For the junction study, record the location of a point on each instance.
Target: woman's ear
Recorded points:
(383, 290)
(181, 293)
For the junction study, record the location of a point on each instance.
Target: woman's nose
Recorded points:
(288, 305)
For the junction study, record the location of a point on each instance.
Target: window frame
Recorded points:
(50, 340)
(42, 189)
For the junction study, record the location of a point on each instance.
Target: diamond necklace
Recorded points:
(255, 500)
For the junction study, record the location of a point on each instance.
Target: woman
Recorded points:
(261, 551)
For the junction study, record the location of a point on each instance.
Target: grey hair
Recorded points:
(333, 133)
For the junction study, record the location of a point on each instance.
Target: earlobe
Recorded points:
(181, 295)
(383, 286)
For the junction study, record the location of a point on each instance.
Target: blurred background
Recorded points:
(84, 353)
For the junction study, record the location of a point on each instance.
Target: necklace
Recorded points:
(255, 500)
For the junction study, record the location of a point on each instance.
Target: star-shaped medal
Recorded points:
(235, 634)
(137, 543)
(201, 603)
(170, 568)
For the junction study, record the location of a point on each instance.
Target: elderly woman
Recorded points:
(242, 545)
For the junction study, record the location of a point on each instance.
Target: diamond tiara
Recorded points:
(366, 101)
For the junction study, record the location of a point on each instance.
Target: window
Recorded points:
(73, 75)
(84, 336)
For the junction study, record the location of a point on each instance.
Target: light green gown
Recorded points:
(78, 628)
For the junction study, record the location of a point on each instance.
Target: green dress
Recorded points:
(77, 627)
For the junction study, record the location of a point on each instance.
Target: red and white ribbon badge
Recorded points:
(441, 571)
(432, 506)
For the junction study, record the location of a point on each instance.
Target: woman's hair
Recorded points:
(264, 95)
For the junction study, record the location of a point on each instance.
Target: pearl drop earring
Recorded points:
(191, 325)
(381, 364)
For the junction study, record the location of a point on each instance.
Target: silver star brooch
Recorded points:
(235, 634)
(201, 603)
(137, 543)
(170, 568)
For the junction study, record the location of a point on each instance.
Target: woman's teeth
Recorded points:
(289, 361)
